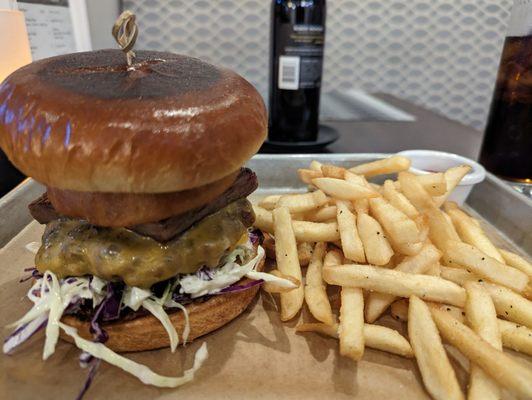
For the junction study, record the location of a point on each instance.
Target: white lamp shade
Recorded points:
(14, 44)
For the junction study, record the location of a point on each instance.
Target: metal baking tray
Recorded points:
(506, 213)
(290, 366)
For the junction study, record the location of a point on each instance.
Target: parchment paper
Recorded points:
(254, 357)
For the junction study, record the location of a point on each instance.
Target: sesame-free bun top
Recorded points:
(85, 122)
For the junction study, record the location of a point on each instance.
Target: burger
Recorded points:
(148, 240)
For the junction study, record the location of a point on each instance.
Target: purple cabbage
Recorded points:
(239, 288)
(256, 236)
(23, 333)
(204, 273)
(34, 274)
(90, 377)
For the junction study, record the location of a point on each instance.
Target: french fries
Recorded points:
(380, 167)
(441, 230)
(375, 336)
(503, 369)
(516, 261)
(485, 266)
(473, 234)
(332, 171)
(307, 175)
(351, 243)
(510, 305)
(394, 282)
(391, 246)
(398, 226)
(434, 184)
(515, 336)
(415, 192)
(315, 290)
(436, 370)
(398, 200)
(269, 202)
(305, 231)
(287, 261)
(377, 249)
(343, 190)
(482, 318)
(351, 327)
(323, 214)
(378, 302)
(453, 176)
(302, 202)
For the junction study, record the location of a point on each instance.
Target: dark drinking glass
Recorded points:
(507, 147)
(296, 64)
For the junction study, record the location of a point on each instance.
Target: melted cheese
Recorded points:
(76, 248)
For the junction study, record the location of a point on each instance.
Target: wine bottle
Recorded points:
(296, 64)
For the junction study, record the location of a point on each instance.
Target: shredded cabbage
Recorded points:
(56, 311)
(226, 275)
(158, 312)
(143, 373)
(134, 296)
(281, 282)
(23, 333)
(174, 304)
(33, 247)
(51, 297)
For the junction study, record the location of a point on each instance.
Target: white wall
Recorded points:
(440, 54)
(102, 15)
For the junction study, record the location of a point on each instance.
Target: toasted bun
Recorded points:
(147, 333)
(126, 209)
(85, 122)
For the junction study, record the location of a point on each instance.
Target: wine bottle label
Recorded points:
(301, 56)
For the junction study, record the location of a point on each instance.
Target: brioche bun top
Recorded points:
(86, 122)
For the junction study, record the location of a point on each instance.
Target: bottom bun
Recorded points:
(147, 333)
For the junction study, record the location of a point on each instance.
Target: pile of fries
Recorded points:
(402, 248)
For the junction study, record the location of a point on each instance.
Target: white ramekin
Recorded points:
(427, 161)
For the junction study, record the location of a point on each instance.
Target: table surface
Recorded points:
(428, 131)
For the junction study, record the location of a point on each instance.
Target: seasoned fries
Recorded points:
(485, 266)
(343, 190)
(453, 176)
(332, 171)
(398, 200)
(376, 246)
(482, 318)
(415, 192)
(302, 202)
(510, 305)
(434, 365)
(435, 184)
(375, 336)
(516, 261)
(399, 227)
(398, 283)
(473, 234)
(378, 302)
(315, 290)
(351, 243)
(351, 327)
(503, 369)
(391, 246)
(385, 166)
(287, 262)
